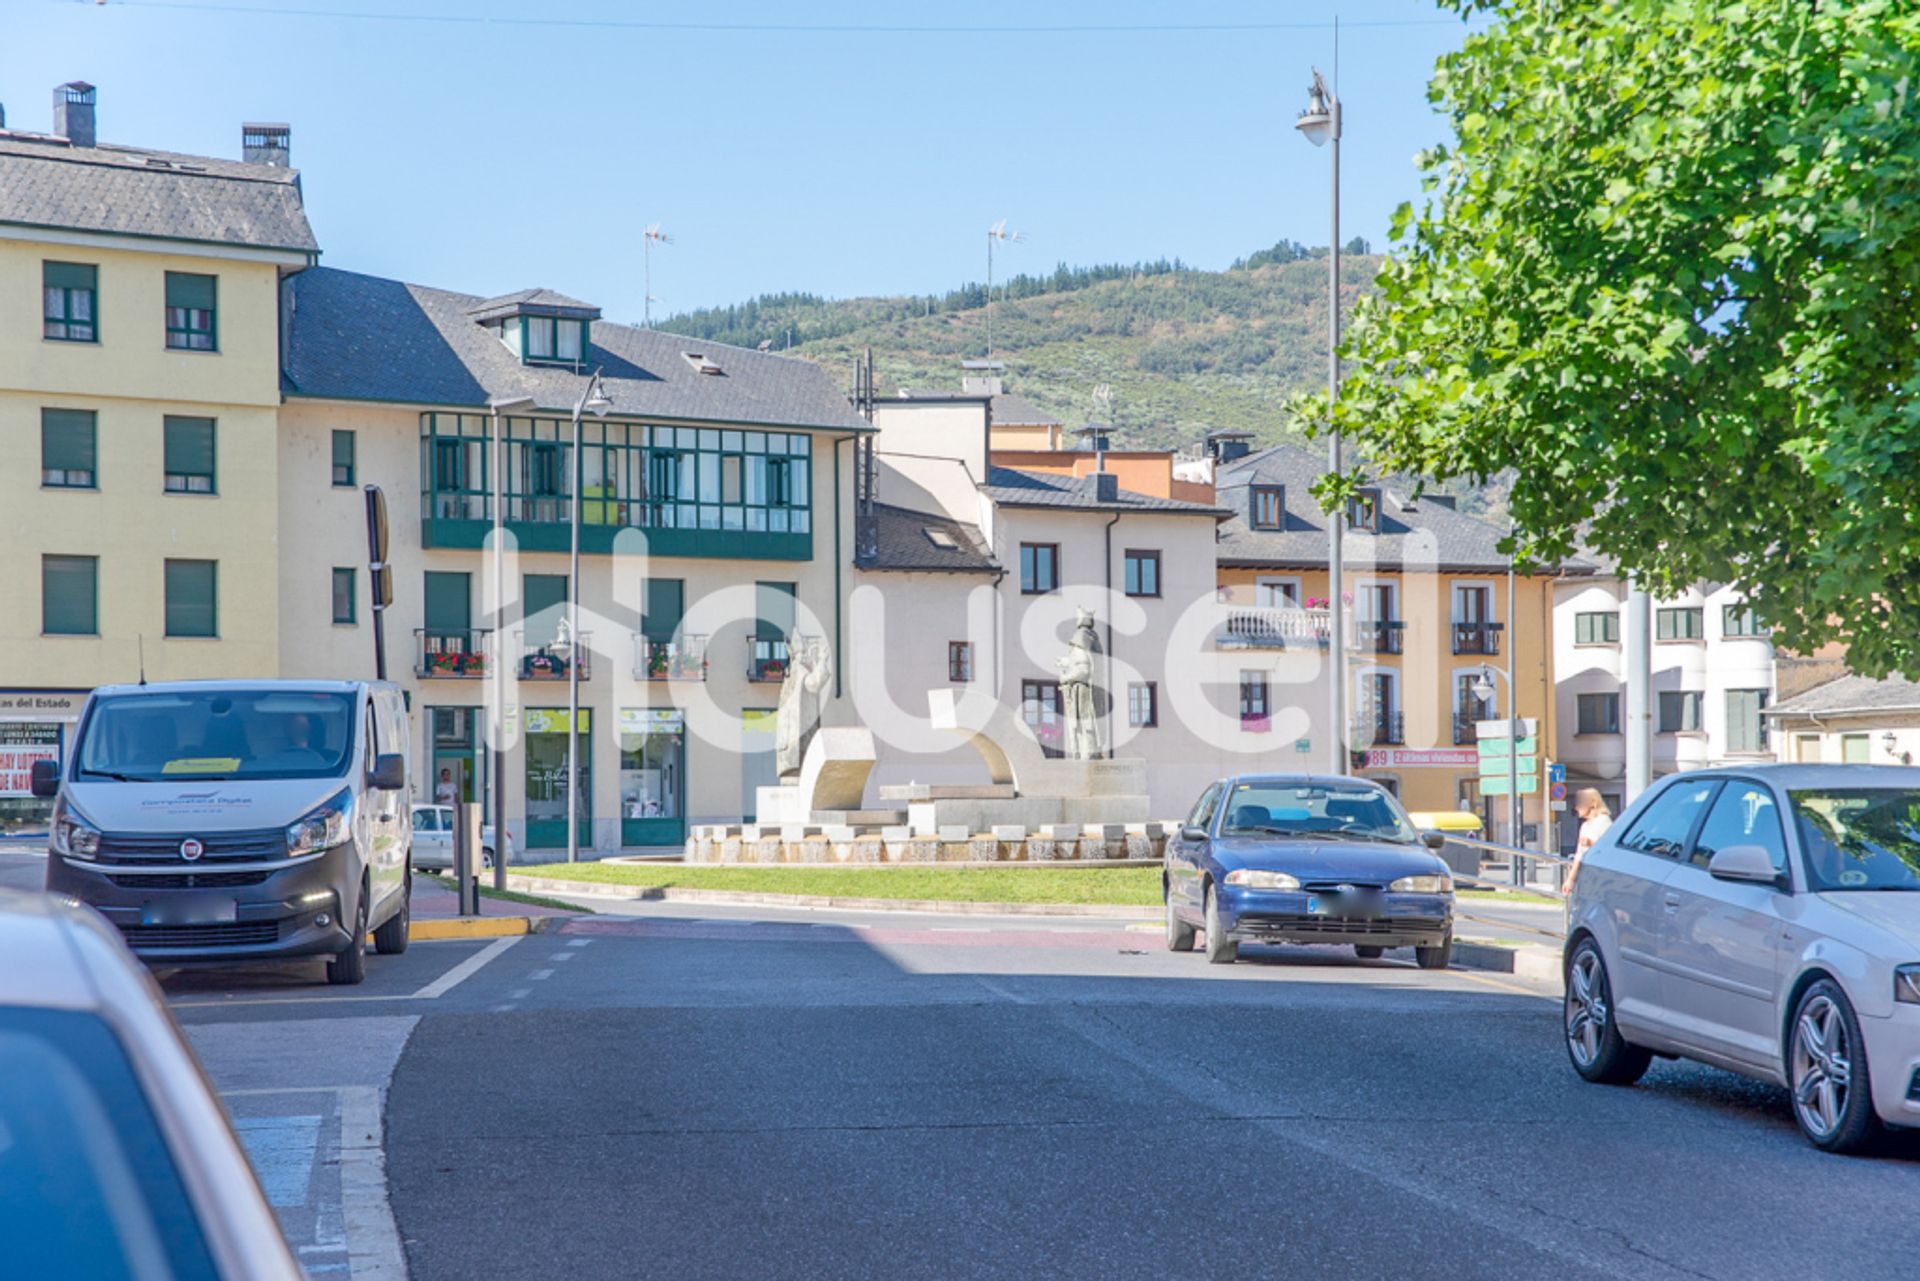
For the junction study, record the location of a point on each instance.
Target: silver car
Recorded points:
(433, 839)
(1767, 921)
(115, 1156)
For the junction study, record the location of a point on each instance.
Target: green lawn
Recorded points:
(1105, 886)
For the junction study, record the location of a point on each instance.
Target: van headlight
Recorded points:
(1439, 883)
(1255, 879)
(329, 825)
(73, 836)
(1906, 984)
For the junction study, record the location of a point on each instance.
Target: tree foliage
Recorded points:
(1667, 275)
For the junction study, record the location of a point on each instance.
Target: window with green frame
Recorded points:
(553, 340)
(343, 458)
(192, 597)
(71, 291)
(70, 595)
(189, 451)
(1737, 621)
(191, 311)
(1680, 623)
(1596, 627)
(68, 449)
(345, 602)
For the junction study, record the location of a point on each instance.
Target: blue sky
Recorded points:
(489, 156)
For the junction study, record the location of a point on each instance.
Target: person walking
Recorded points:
(1595, 819)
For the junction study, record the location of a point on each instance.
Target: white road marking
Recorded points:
(578, 942)
(432, 991)
(564, 956)
(520, 994)
(541, 974)
(466, 969)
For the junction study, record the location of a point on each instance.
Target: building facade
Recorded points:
(1851, 720)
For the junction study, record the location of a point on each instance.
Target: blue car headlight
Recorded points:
(1438, 883)
(1248, 878)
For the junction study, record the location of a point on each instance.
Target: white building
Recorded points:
(1853, 720)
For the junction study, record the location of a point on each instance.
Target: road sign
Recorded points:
(1504, 728)
(1496, 785)
(1526, 767)
(1556, 787)
(1556, 772)
(1501, 748)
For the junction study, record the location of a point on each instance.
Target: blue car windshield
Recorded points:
(1860, 838)
(1317, 810)
(216, 734)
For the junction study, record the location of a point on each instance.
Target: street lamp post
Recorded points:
(497, 406)
(1483, 689)
(595, 399)
(1320, 122)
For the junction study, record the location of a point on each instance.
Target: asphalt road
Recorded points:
(715, 1093)
(21, 869)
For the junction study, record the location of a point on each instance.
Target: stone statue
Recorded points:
(1080, 694)
(799, 710)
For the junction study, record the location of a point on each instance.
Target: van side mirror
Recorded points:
(1749, 864)
(45, 779)
(1434, 840)
(389, 772)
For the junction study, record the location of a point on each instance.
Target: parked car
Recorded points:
(117, 1159)
(213, 820)
(433, 839)
(1765, 920)
(1305, 859)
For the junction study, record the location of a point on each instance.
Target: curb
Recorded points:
(1530, 961)
(754, 898)
(477, 927)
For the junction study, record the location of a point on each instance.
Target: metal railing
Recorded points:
(766, 659)
(547, 660)
(1379, 636)
(683, 659)
(1379, 729)
(1477, 638)
(452, 653)
(1513, 857)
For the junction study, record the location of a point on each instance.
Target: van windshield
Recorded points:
(216, 734)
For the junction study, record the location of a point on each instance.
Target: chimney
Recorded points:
(267, 144)
(73, 113)
(1227, 444)
(981, 377)
(1106, 487)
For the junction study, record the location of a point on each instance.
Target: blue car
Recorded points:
(1299, 858)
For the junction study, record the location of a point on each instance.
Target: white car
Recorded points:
(433, 838)
(116, 1157)
(1763, 920)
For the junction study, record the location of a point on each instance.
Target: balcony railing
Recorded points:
(460, 653)
(1465, 731)
(1274, 628)
(1373, 636)
(766, 659)
(547, 661)
(1477, 638)
(1379, 728)
(682, 659)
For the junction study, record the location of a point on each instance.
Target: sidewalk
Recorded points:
(436, 914)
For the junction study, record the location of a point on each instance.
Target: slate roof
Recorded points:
(1460, 543)
(1010, 410)
(543, 302)
(128, 191)
(357, 337)
(1011, 487)
(902, 544)
(1852, 695)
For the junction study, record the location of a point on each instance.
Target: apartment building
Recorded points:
(1851, 720)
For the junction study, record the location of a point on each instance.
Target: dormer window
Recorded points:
(539, 326)
(1363, 511)
(1269, 507)
(554, 339)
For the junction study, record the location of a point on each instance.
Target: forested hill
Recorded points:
(1182, 351)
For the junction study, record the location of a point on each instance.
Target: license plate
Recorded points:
(189, 909)
(1354, 905)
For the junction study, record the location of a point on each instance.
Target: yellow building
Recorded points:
(139, 400)
(1427, 622)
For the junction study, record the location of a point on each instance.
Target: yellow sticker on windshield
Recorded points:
(202, 765)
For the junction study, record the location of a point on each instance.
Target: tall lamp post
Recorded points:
(496, 406)
(595, 399)
(1483, 689)
(1320, 122)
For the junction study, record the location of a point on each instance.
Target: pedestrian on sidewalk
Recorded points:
(1595, 819)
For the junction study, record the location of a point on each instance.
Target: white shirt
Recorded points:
(1592, 830)
(447, 793)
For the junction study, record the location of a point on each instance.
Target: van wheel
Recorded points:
(350, 967)
(391, 938)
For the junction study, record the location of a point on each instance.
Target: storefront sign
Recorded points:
(553, 720)
(1422, 758)
(21, 744)
(652, 720)
(41, 704)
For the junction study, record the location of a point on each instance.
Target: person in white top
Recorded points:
(446, 792)
(1595, 819)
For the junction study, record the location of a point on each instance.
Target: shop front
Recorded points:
(547, 784)
(456, 767)
(35, 725)
(653, 765)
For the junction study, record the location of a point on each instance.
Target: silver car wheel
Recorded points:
(1822, 1066)
(1586, 1008)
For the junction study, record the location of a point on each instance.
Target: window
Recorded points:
(1276, 593)
(190, 312)
(1253, 702)
(1039, 568)
(1597, 627)
(1746, 727)
(1666, 823)
(1363, 511)
(1268, 508)
(1142, 573)
(67, 449)
(1202, 816)
(343, 458)
(1856, 749)
(70, 595)
(192, 598)
(343, 596)
(189, 455)
(1143, 703)
(959, 660)
(554, 340)
(1806, 749)
(1597, 714)
(1738, 621)
(1687, 623)
(1745, 814)
(1679, 711)
(1040, 708)
(71, 290)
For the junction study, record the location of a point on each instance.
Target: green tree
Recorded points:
(1666, 277)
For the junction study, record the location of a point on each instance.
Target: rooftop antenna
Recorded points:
(653, 233)
(996, 232)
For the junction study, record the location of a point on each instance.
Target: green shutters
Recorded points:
(1746, 727)
(539, 594)
(773, 610)
(70, 595)
(192, 598)
(345, 602)
(188, 455)
(343, 458)
(71, 294)
(1596, 628)
(1679, 623)
(67, 449)
(191, 311)
(665, 602)
(449, 602)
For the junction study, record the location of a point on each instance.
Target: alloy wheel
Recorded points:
(1586, 1007)
(1822, 1064)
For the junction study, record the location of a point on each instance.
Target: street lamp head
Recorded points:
(508, 404)
(1483, 687)
(598, 403)
(1321, 119)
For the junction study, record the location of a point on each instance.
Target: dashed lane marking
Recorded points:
(541, 974)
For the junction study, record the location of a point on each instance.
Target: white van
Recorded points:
(213, 820)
